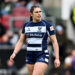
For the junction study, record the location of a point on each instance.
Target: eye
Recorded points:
(38, 11)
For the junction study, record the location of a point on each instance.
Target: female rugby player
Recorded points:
(36, 33)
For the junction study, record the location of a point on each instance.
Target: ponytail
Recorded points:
(31, 18)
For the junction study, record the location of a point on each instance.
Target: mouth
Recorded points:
(39, 16)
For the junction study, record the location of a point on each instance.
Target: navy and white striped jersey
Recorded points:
(37, 34)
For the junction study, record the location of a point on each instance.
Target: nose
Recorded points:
(39, 13)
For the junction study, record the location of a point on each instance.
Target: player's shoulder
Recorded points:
(46, 22)
(27, 23)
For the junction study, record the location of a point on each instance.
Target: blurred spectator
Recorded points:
(18, 3)
(2, 30)
(0, 63)
(37, 3)
(30, 4)
(73, 59)
(69, 64)
(5, 40)
(62, 40)
(23, 3)
(14, 1)
(6, 7)
(12, 36)
(6, 21)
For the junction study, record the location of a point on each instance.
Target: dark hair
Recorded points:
(31, 11)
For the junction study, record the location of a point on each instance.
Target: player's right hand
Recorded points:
(12, 57)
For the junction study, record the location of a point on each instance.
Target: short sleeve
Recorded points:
(50, 29)
(23, 28)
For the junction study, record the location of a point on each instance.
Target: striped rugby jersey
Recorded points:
(37, 34)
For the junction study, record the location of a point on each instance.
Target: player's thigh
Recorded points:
(40, 68)
(30, 68)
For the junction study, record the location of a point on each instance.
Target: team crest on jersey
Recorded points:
(51, 28)
(39, 28)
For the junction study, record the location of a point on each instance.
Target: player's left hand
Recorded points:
(57, 63)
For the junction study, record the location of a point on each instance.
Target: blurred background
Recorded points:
(14, 13)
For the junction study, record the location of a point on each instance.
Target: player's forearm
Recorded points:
(56, 49)
(18, 46)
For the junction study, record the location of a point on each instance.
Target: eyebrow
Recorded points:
(38, 11)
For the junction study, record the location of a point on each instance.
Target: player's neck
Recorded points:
(36, 21)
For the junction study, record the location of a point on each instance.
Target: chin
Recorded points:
(38, 19)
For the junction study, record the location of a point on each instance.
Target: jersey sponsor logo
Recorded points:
(28, 29)
(35, 29)
(36, 34)
(51, 28)
(29, 35)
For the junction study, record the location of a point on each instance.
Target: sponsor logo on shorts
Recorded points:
(42, 59)
(46, 60)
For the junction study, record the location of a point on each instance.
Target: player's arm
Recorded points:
(19, 43)
(56, 50)
(52, 36)
(55, 46)
(18, 46)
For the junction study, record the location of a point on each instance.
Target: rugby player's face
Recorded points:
(37, 14)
